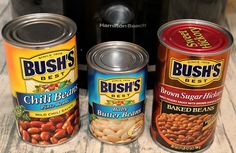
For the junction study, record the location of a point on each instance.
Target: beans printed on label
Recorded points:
(117, 91)
(43, 72)
(192, 62)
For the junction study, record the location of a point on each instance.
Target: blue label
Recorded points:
(118, 112)
(48, 100)
(116, 96)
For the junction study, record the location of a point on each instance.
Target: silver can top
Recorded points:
(39, 30)
(117, 57)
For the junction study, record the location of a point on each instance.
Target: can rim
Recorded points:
(116, 44)
(8, 31)
(177, 151)
(228, 35)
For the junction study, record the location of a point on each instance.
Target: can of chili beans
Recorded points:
(192, 63)
(117, 84)
(42, 65)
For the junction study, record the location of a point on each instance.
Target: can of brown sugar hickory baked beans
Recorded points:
(117, 82)
(192, 63)
(42, 65)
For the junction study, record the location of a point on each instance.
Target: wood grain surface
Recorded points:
(225, 136)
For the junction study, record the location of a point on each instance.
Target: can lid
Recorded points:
(39, 30)
(117, 57)
(193, 36)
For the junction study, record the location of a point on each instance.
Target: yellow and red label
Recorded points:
(44, 81)
(49, 67)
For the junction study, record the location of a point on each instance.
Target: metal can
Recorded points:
(192, 64)
(42, 65)
(116, 90)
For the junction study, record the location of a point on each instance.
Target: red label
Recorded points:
(190, 97)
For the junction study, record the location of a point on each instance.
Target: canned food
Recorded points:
(192, 63)
(42, 65)
(117, 83)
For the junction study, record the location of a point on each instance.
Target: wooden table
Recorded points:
(225, 137)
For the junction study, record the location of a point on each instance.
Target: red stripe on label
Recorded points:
(189, 96)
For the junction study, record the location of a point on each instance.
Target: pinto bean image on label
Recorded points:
(116, 91)
(42, 64)
(191, 64)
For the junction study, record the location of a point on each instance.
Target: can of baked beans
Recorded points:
(116, 90)
(42, 65)
(192, 63)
